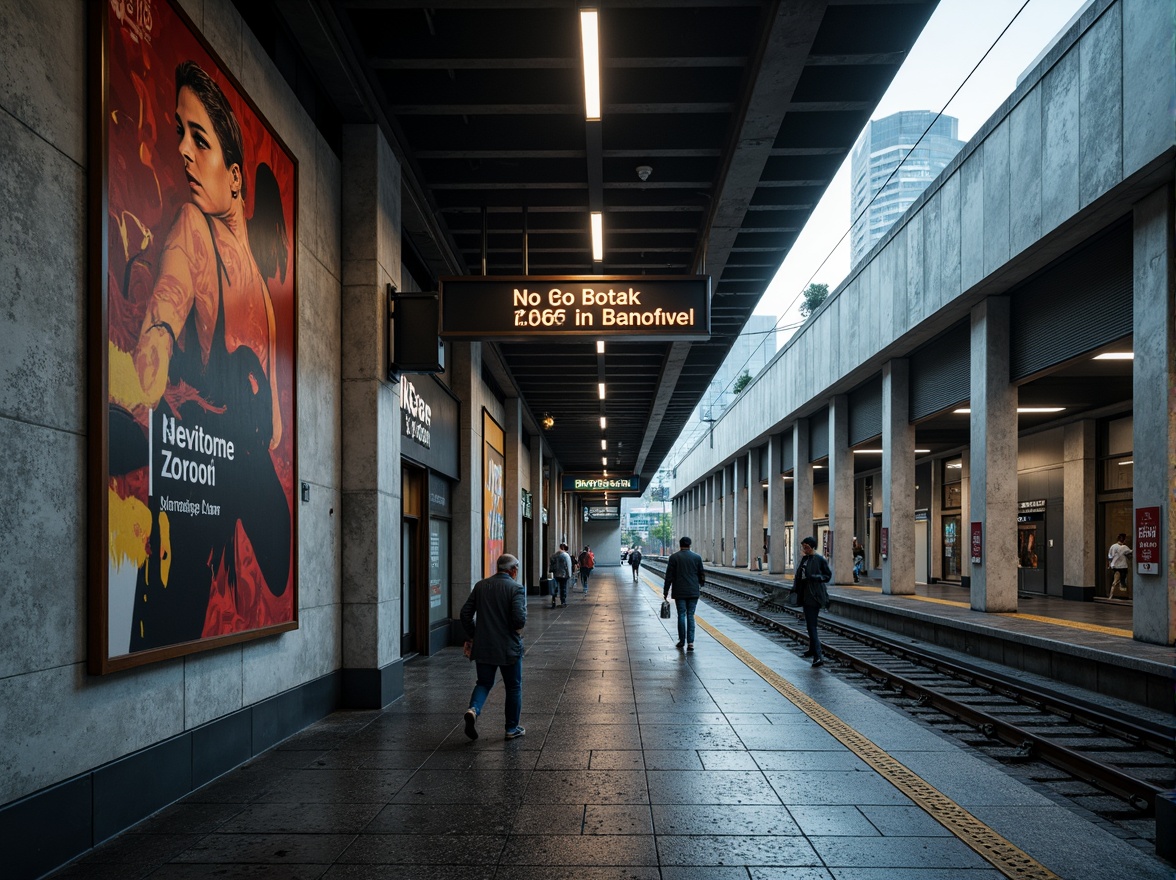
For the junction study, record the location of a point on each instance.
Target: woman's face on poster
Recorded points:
(210, 184)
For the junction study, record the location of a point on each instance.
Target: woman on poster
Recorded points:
(205, 359)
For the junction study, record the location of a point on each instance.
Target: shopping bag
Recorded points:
(665, 609)
(792, 600)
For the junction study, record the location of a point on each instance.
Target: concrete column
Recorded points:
(802, 487)
(741, 479)
(898, 476)
(371, 504)
(1154, 425)
(512, 507)
(755, 509)
(723, 545)
(1080, 556)
(965, 512)
(466, 555)
(712, 520)
(539, 551)
(555, 517)
(777, 515)
(936, 514)
(993, 459)
(841, 491)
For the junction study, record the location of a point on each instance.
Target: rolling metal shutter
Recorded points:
(865, 411)
(1081, 302)
(941, 372)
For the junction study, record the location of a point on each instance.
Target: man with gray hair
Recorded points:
(493, 617)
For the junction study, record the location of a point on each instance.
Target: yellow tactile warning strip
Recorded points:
(1006, 857)
(1056, 621)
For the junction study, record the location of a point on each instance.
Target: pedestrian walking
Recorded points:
(561, 569)
(685, 577)
(493, 617)
(1117, 560)
(587, 563)
(635, 561)
(812, 574)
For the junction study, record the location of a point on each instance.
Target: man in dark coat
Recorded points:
(493, 617)
(812, 573)
(686, 577)
(635, 561)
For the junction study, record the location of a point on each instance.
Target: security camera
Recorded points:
(643, 172)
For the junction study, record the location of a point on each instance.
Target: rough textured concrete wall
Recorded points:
(56, 720)
(1096, 112)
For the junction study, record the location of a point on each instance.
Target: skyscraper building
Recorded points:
(880, 149)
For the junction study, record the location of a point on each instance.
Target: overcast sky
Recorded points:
(955, 39)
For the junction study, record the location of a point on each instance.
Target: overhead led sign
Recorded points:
(539, 307)
(602, 484)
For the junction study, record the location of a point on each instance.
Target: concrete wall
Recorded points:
(1073, 148)
(56, 720)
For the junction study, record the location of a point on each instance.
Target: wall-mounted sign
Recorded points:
(540, 307)
(527, 503)
(884, 542)
(977, 543)
(595, 513)
(602, 484)
(429, 417)
(1147, 540)
(417, 414)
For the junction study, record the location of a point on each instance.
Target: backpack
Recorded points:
(587, 559)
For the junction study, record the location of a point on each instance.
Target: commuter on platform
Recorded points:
(685, 577)
(859, 559)
(561, 569)
(493, 617)
(587, 563)
(812, 574)
(1119, 562)
(635, 561)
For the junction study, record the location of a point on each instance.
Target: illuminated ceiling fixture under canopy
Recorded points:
(1115, 356)
(598, 247)
(964, 410)
(590, 43)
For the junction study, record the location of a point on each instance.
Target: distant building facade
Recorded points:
(880, 149)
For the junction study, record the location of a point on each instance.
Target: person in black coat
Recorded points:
(686, 576)
(812, 573)
(493, 617)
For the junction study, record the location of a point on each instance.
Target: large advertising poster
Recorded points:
(493, 494)
(193, 348)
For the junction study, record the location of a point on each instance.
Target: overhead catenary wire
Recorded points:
(691, 440)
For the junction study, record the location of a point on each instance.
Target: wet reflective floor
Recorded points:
(639, 761)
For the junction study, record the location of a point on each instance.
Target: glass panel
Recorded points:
(438, 571)
(1119, 436)
(1118, 473)
(953, 470)
(951, 548)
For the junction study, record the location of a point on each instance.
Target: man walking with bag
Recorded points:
(494, 616)
(587, 563)
(561, 569)
(686, 577)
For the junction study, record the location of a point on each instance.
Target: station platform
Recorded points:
(1084, 645)
(640, 761)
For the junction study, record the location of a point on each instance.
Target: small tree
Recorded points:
(663, 532)
(742, 382)
(813, 295)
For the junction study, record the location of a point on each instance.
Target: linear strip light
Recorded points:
(597, 241)
(963, 411)
(600, 346)
(1115, 356)
(603, 423)
(600, 388)
(879, 451)
(590, 42)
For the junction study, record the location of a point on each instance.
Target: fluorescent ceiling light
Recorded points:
(1115, 356)
(603, 423)
(603, 443)
(604, 461)
(879, 451)
(598, 247)
(600, 346)
(600, 388)
(957, 466)
(1128, 461)
(1021, 409)
(590, 43)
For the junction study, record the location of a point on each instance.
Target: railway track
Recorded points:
(1102, 760)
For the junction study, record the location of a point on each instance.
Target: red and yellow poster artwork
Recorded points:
(195, 225)
(493, 495)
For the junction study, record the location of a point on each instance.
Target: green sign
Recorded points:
(540, 307)
(602, 484)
